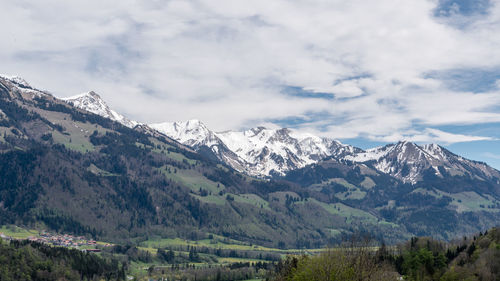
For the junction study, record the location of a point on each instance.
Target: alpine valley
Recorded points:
(75, 165)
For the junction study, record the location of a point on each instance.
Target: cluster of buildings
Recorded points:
(63, 240)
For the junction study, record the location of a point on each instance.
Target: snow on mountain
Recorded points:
(16, 79)
(404, 160)
(92, 102)
(193, 132)
(269, 151)
(409, 162)
(23, 86)
(266, 152)
(258, 151)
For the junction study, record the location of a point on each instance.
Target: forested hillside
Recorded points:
(69, 170)
(444, 205)
(73, 171)
(24, 260)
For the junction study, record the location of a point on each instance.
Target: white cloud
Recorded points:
(224, 62)
(430, 135)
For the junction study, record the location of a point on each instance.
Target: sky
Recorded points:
(361, 71)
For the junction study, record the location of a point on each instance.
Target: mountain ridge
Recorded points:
(263, 152)
(92, 102)
(73, 170)
(404, 160)
(259, 151)
(407, 161)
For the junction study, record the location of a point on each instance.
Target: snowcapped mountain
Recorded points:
(16, 79)
(193, 132)
(92, 102)
(89, 101)
(266, 152)
(409, 162)
(276, 151)
(23, 87)
(258, 151)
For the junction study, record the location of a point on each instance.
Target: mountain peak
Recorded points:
(192, 132)
(94, 95)
(406, 143)
(194, 123)
(16, 79)
(92, 102)
(408, 161)
(257, 151)
(284, 131)
(189, 125)
(256, 130)
(22, 85)
(82, 96)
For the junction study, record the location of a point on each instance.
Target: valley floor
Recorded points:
(219, 258)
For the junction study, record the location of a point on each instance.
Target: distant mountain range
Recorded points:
(408, 162)
(259, 151)
(266, 152)
(75, 164)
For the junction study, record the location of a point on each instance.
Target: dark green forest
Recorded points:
(25, 260)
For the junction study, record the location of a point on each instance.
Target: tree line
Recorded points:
(475, 258)
(26, 260)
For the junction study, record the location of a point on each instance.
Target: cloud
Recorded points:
(432, 135)
(346, 69)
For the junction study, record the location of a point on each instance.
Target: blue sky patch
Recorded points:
(488, 129)
(468, 80)
(447, 8)
(484, 151)
(354, 77)
(299, 92)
